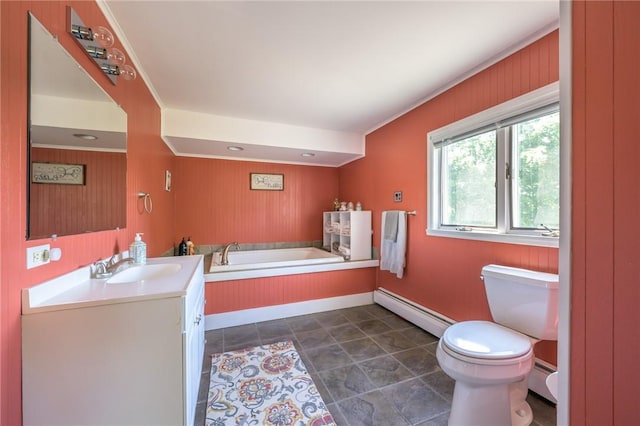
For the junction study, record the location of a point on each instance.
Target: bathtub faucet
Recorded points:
(224, 259)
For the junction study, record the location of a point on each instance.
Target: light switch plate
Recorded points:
(38, 255)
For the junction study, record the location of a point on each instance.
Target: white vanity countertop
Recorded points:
(76, 289)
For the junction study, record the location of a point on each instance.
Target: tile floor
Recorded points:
(371, 366)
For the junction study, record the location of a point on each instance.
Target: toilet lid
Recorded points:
(483, 339)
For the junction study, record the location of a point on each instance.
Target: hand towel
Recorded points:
(391, 225)
(392, 253)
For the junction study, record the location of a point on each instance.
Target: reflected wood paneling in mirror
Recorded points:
(64, 102)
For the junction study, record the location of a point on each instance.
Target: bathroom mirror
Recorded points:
(77, 145)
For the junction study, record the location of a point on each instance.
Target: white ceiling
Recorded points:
(336, 66)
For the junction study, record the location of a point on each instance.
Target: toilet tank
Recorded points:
(523, 300)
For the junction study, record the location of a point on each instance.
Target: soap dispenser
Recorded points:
(138, 249)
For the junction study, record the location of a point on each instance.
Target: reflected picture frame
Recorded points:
(58, 173)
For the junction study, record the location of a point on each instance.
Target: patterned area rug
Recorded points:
(265, 385)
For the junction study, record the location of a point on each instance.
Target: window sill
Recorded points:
(494, 237)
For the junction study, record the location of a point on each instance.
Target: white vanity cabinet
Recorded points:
(115, 354)
(347, 233)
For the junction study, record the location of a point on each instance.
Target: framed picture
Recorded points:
(267, 181)
(62, 174)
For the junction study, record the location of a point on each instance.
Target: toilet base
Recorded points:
(495, 405)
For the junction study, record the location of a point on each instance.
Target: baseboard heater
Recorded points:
(436, 323)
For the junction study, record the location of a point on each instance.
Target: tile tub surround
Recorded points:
(371, 366)
(207, 249)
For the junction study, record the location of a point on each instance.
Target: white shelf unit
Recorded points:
(347, 233)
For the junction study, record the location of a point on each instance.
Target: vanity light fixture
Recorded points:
(85, 136)
(307, 154)
(235, 148)
(97, 43)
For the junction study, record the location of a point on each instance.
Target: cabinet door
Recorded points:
(193, 350)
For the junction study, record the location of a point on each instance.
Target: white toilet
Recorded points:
(491, 361)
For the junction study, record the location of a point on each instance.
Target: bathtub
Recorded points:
(274, 258)
(275, 262)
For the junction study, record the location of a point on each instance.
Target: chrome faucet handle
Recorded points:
(100, 270)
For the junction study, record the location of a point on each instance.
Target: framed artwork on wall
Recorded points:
(266, 181)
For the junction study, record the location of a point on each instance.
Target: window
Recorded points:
(495, 175)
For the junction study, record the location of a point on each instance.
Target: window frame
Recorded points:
(487, 119)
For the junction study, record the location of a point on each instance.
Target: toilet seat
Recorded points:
(485, 341)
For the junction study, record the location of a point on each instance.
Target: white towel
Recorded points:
(392, 253)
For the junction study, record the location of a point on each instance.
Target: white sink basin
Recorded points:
(145, 273)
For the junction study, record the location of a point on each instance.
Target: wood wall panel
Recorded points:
(443, 273)
(227, 296)
(605, 241)
(626, 207)
(214, 204)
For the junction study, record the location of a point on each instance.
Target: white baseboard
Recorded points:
(436, 323)
(249, 316)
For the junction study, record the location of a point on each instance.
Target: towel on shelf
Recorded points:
(390, 230)
(392, 252)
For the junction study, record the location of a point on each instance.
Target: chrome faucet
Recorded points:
(106, 268)
(115, 266)
(224, 258)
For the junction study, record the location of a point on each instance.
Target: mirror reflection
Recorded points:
(77, 150)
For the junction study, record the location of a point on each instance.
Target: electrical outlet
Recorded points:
(397, 196)
(38, 255)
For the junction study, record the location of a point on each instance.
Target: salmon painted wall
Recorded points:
(443, 273)
(226, 296)
(216, 206)
(605, 244)
(147, 158)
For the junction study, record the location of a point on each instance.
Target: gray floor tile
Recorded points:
(270, 330)
(337, 415)
(544, 412)
(393, 341)
(357, 314)
(314, 338)
(303, 323)
(201, 412)
(415, 400)
(378, 311)
(372, 326)
(240, 337)
(441, 420)
(441, 383)
(305, 359)
(418, 335)
(385, 371)
(371, 409)
(322, 389)
(397, 323)
(418, 360)
(328, 357)
(330, 319)
(346, 332)
(362, 349)
(215, 342)
(345, 382)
